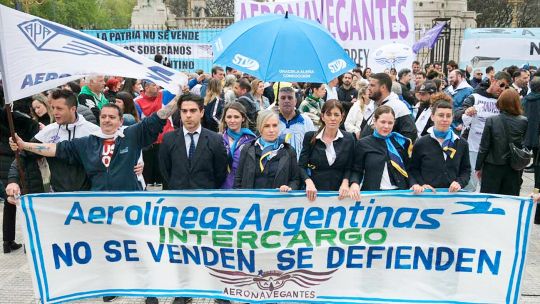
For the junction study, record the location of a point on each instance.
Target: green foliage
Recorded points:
(82, 14)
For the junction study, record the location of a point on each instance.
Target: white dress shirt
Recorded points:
(330, 152)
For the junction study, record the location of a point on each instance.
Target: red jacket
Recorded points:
(150, 105)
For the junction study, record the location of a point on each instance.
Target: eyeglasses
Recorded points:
(503, 86)
(479, 74)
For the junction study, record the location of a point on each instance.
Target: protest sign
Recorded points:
(185, 50)
(482, 47)
(37, 55)
(269, 246)
(360, 26)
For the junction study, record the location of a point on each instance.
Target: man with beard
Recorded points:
(458, 88)
(379, 88)
(346, 92)
(404, 77)
(473, 114)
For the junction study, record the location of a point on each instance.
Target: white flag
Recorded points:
(37, 55)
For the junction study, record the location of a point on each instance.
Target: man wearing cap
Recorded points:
(151, 100)
(423, 116)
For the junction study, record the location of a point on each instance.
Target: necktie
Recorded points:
(191, 151)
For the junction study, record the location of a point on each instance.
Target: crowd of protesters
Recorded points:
(418, 128)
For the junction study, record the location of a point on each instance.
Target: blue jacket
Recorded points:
(119, 176)
(460, 96)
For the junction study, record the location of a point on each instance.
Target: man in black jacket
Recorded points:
(242, 91)
(192, 157)
(380, 85)
(404, 77)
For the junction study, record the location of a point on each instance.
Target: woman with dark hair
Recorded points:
(234, 126)
(440, 159)
(132, 86)
(327, 154)
(493, 155)
(367, 73)
(313, 102)
(268, 162)
(125, 102)
(381, 159)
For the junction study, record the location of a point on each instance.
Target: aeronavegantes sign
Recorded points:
(263, 245)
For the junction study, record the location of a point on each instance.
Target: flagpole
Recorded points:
(9, 113)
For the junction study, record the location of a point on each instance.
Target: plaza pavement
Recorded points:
(16, 285)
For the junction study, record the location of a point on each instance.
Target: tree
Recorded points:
(220, 8)
(498, 13)
(82, 14)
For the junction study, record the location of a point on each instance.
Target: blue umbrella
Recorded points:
(274, 47)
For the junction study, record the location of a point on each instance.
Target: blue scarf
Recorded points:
(395, 159)
(448, 141)
(236, 137)
(269, 150)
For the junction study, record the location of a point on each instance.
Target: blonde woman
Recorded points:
(41, 110)
(362, 108)
(213, 105)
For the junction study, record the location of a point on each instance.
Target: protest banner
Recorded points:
(269, 246)
(360, 26)
(37, 55)
(482, 47)
(186, 50)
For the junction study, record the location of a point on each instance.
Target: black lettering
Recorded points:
(534, 47)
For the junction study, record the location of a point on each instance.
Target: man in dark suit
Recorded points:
(193, 157)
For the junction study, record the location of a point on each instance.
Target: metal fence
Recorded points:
(194, 23)
(446, 48)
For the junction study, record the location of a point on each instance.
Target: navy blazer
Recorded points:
(313, 160)
(207, 169)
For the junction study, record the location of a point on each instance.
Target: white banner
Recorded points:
(482, 47)
(37, 55)
(360, 26)
(269, 246)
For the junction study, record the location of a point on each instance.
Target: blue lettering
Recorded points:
(420, 255)
(373, 256)
(305, 254)
(96, 215)
(173, 254)
(227, 254)
(130, 251)
(492, 265)
(314, 214)
(402, 256)
(39, 78)
(209, 260)
(408, 223)
(351, 256)
(255, 210)
(440, 265)
(285, 259)
(114, 254)
(431, 223)
(156, 255)
(138, 215)
(226, 217)
(295, 225)
(213, 213)
(76, 213)
(339, 253)
(185, 219)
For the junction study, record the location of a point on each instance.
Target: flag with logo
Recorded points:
(37, 55)
(430, 38)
